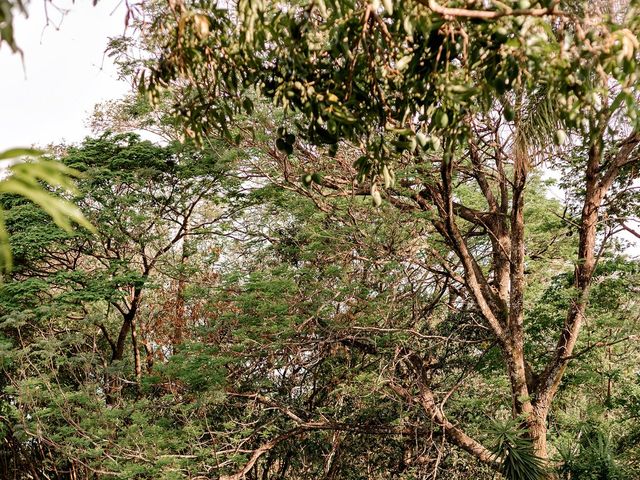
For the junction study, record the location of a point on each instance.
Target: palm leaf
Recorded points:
(36, 178)
(519, 462)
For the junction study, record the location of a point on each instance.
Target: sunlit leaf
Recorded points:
(33, 177)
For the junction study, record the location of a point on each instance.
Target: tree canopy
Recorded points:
(382, 240)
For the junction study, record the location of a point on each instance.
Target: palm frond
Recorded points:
(519, 462)
(36, 178)
(537, 126)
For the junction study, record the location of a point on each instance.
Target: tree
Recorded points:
(303, 344)
(44, 182)
(464, 96)
(76, 303)
(340, 338)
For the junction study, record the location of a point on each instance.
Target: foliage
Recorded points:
(26, 178)
(519, 460)
(366, 275)
(7, 13)
(593, 456)
(403, 77)
(87, 290)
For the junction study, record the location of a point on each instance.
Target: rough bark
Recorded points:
(118, 348)
(532, 394)
(456, 435)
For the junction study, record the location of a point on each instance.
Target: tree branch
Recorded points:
(490, 14)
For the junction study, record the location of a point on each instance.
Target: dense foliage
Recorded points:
(349, 259)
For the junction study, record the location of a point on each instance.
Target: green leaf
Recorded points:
(29, 179)
(14, 153)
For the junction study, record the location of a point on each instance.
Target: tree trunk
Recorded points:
(538, 432)
(179, 314)
(112, 385)
(137, 363)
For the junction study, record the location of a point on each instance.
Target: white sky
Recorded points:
(66, 73)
